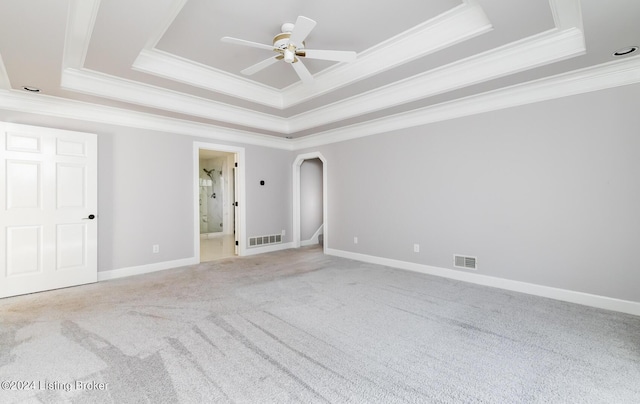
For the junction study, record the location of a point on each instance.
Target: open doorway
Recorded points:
(218, 192)
(310, 219)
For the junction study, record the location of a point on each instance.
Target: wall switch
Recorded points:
(416, 248)
(156, 248)
(355, 240)
(284, 233)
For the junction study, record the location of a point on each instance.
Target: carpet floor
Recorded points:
(297, 326)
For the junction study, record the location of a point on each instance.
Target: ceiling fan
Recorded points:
(290, 46)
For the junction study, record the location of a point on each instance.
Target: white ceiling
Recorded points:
(418, 61)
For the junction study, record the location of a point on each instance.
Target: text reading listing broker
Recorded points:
(52, 385)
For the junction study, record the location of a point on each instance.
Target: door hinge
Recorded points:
(236, 242)
(236, 204)
(236, 164)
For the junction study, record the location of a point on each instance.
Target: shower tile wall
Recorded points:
(211, 194)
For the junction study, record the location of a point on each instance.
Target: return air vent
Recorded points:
(460, 261)
(265, 240)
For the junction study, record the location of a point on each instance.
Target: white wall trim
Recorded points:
(539, 50)
(454, 26)
(163, 64)
(240, 187)
(296, 197)
(566, 14)
(586, 299)
(47, 105)
(268, 249)
(528, 53)
(314, 239)
(144, 269)
(459, 24)
(81, 18)
(115, 88)
(607, 75)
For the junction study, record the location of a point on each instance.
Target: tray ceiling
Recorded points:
(164, 58)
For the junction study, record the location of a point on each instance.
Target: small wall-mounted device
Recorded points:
(261, 182)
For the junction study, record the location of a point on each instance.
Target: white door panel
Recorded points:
(24, 250)
(49, 190)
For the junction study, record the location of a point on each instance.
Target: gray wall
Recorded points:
(546, 193)
(146, 195)
(310, 198)
(269, 206)
(145, 191)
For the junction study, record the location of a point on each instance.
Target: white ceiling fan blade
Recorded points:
(303, 72)
(301, 30)
(338, 56)
(237, 41)
(259, 66)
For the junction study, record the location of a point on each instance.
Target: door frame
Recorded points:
(296, 198)
(241, 224)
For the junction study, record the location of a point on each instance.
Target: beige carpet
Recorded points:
(297, 326)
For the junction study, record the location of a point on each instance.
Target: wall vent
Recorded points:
(265, 240)
(460, 261)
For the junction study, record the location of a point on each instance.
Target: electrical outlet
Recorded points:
(284, 233)
(355, 240)
(416, 248)
(156, 248)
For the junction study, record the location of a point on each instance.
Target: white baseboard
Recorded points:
(601, 302)
(145, 269)
(266, 249)
(161, 266)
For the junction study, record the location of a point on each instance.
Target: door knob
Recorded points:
(90, 217)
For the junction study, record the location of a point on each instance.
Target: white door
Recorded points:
(235, 203)
(48, 211)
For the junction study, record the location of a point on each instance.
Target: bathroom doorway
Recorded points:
(217, 201)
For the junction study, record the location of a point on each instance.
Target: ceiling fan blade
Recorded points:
(338, 56)
(237, 41)
(302, 72)
(301, 30)
(260, 65)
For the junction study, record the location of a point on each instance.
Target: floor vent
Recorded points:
(460, 261)
(265, 240)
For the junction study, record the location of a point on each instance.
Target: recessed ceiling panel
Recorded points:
(352, 25)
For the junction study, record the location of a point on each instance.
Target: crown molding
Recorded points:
(5, 83)
(46, 105)
(115, 88)
(566, 14)
(454, 26)
(608, 75)
(525, 54)
(548, 47)
(169, 66)
(457, 25)
(163, 64)
(81, 18)
(595, 78)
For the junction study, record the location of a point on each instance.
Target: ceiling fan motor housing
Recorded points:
(289, 50)
(281, 41)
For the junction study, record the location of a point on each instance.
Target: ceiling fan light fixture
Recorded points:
(289, 56)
